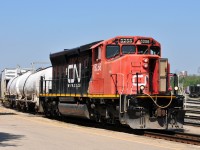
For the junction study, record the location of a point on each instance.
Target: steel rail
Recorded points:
(187, 138)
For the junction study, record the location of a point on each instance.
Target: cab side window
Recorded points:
(97, 54)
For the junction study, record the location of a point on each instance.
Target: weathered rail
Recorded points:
(175, 136)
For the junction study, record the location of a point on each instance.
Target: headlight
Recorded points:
(142, 87)
(145, 65)
(176, 88)
(146, 60)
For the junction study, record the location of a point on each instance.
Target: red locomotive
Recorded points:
(123, 79)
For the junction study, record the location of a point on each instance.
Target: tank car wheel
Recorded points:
(32, 108)
(24, 108)
(18, 107)
(11, 104)
(51, 109)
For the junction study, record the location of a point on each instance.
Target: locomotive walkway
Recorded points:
(26, 131)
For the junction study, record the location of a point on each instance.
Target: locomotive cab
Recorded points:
(123, 64)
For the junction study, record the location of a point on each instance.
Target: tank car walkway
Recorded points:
(21, 131)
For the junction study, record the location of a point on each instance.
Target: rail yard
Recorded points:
(99, 75)
(122, 84)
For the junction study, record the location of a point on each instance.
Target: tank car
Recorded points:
(123, 79)
(23, 90)
(15, 88)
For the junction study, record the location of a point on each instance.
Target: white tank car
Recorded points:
(24, 89)
(15, 85)
(31, 86)
(9, 90)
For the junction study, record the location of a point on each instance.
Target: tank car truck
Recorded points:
(123, 79)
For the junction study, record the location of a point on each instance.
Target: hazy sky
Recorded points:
(32, 29)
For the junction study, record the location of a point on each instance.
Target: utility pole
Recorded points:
(38, 62)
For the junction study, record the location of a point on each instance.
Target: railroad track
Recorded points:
(192, 124)
(159, 134)
(192, 107)
(192, 121)
(175, 136)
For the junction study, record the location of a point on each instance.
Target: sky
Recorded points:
(30, 30)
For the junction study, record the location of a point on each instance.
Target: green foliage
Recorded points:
(189, 80)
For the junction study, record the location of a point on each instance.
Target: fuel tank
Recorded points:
(78, 110)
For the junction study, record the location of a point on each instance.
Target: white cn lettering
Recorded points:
(134, 80)
(75, 73)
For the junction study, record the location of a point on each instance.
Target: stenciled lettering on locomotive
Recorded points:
(74, 75)
(97, 67)
(145, 41)
(140, 77)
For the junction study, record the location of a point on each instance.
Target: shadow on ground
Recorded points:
(7, 113)
(5, 139)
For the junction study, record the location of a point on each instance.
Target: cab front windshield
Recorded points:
(128, 49)
(155, 50)
(114, 50)
(152, 50)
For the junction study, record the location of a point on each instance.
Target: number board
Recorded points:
(145, 41)
(126, 40)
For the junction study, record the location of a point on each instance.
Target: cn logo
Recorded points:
(141, 79)
(72, 72)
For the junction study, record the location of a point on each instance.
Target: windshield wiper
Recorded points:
(145, 51)
(115, 54)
